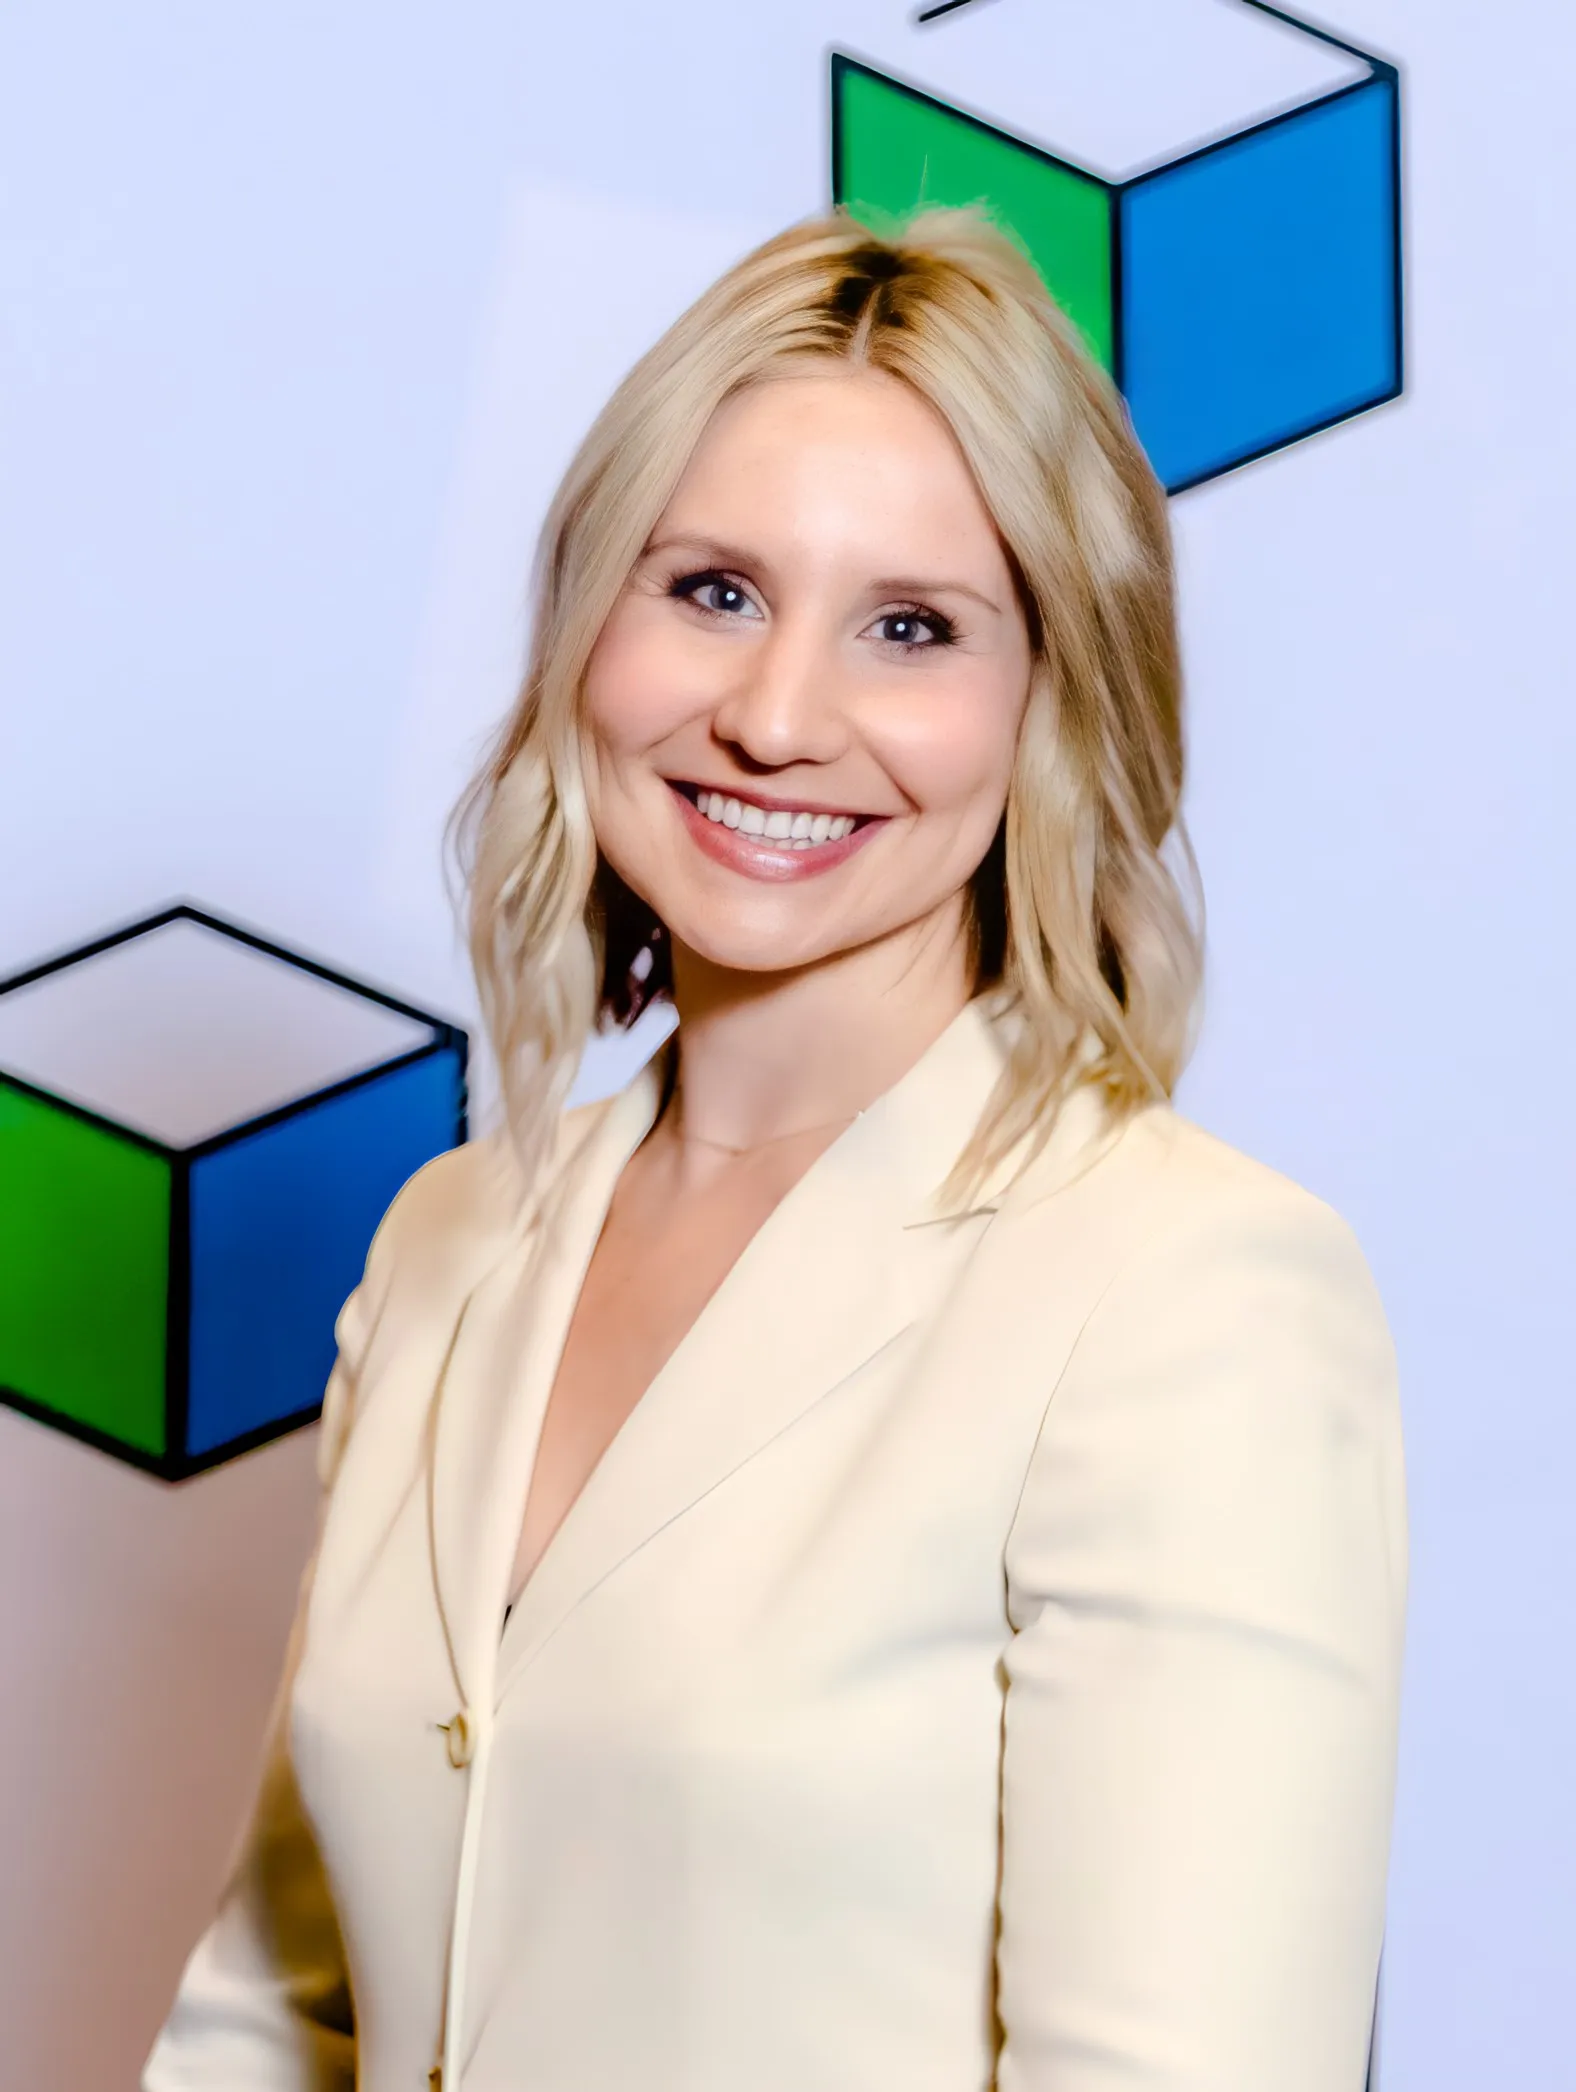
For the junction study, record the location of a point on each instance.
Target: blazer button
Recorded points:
(461, 1740)
(435, 2078)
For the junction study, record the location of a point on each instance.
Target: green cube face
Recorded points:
(895, 149)
(84, 1270)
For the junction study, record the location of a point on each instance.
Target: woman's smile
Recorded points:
(766, 837)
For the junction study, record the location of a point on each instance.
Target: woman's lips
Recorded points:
(757, 858)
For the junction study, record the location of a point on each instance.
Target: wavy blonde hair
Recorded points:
(1078, 923)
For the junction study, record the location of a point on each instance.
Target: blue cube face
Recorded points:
(280, 1223)
(1260, 286)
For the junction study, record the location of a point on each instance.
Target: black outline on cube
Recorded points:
(448, 1038)
(1386, 73)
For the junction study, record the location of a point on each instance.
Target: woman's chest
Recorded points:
(826, 1594)
(753, 1691)
(815, 1491)
(869, 1526)
(787, 1697)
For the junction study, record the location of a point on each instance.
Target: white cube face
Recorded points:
(182, 1033)
(1116, 86)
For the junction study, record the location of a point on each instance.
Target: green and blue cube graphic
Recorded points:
(199, 1133)
(1210, 189)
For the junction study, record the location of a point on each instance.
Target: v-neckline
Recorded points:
(878, 1179)
(666, 1084)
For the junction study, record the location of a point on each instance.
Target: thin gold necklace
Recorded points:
(726, 1148)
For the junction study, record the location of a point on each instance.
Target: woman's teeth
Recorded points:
(801, 831)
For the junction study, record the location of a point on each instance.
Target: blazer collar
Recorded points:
(848, 1260)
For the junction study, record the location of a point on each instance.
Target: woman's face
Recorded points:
(804, 707)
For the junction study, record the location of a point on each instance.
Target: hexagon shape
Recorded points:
(199, 1132)
(1210, 189)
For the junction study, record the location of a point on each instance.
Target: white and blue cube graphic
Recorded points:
(1210, 188)
(199, 1132)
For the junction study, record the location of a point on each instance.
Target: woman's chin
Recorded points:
(760, 961)
(761, 953)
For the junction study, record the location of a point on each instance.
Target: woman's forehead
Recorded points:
(839, 454)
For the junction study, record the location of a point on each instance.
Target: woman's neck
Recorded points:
(763, 1062)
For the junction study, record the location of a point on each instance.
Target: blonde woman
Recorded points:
(875, 1559)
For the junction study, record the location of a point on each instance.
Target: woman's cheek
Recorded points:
(947, 756)
(635, 677)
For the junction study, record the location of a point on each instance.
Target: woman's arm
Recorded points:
(264, 2003)
(1208, 1574)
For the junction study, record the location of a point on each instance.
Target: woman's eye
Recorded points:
(914, 629)
(716, 594)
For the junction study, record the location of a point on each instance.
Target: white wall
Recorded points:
(306, 307)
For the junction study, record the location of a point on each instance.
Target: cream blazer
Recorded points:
(974, 1663)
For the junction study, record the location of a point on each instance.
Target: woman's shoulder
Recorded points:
(446, 1226)
(1172, 1171)
(1162, 1207)
(463, 1202)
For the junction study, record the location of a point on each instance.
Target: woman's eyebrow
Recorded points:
(709, 551)
(914, 585)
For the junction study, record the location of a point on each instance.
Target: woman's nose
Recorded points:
(788, 701)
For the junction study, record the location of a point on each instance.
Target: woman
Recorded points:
(952, 1508)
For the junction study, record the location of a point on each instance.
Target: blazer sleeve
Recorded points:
(1207, 1578)
(264, 2004)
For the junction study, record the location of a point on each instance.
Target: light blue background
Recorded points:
(305, 307)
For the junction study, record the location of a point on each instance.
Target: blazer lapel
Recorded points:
(841, 1267)
(495, 1379)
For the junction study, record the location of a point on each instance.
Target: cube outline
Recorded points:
(1384, 77)
(447, 1039)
